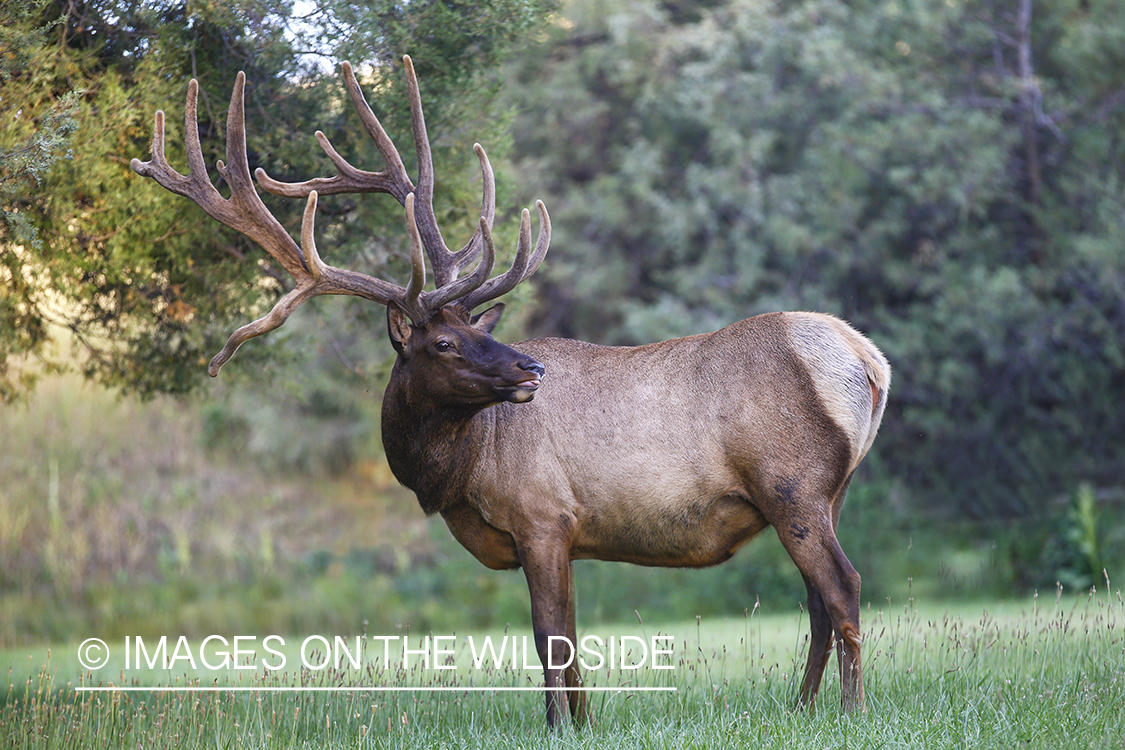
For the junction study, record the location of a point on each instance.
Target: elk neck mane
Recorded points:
(431, 449)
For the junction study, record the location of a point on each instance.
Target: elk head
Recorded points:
(458, 361)
(432, 331)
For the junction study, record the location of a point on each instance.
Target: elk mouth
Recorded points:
(521, 392)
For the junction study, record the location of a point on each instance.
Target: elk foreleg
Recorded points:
(548, 571)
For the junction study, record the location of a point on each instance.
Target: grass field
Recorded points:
(1048, 672)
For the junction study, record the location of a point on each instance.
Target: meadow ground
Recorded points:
(1046, 672)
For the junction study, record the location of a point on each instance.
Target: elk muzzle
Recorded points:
(532, 372)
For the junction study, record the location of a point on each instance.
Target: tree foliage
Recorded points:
(141, 283)
(947, 176)
(147, 285)
(37, 135)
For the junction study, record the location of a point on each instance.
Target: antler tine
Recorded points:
(442, 260)
(284, 306)
(410, 300)
(525, 263)
(244, 211)
(459, 288)
(472, 248)
(542, 242)
(237, 173)
(446, 264)
(349, 179)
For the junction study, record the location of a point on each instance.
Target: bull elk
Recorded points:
(671, 454)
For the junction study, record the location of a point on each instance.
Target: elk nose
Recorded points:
(530, 365)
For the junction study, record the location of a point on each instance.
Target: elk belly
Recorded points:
(678, 534)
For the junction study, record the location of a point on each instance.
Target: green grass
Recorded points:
(1033, 674)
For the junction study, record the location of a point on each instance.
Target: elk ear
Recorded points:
(488, 319)
(398, 327)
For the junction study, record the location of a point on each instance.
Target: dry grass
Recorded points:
(99, 493)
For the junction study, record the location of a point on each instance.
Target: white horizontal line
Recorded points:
(376, 689)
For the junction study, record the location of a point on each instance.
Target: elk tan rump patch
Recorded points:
(849, 373)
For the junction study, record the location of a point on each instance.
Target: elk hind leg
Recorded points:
(820, 645)
(579, 710)
(833, 585)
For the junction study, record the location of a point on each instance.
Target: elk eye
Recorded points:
(443, 346)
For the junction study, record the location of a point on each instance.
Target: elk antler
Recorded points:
(245, 212)
(473, 290)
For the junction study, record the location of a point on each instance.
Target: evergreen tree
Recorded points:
(38, 134)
